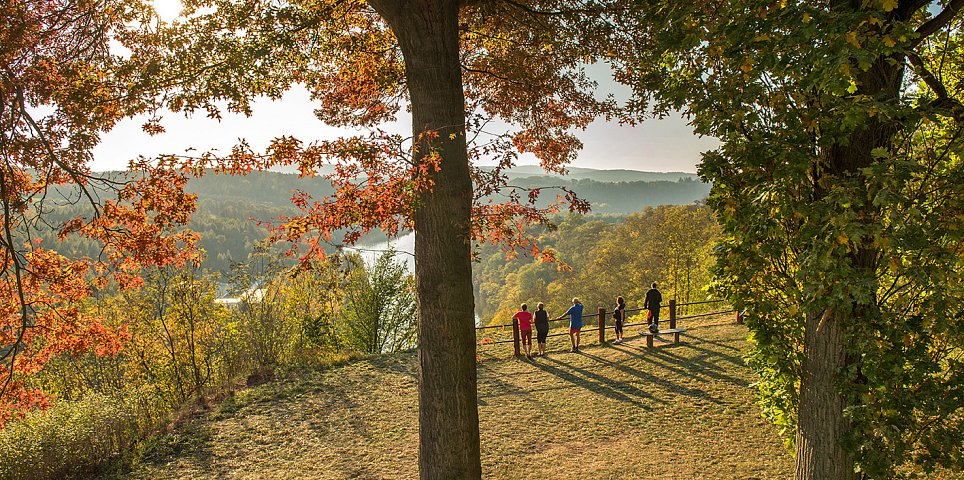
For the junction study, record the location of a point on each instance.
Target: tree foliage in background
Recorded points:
(838, 188)
(379, 311)
(608, 256)
(177, 332)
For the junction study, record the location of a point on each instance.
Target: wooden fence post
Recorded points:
(515, 336)
(672, 314)
(602, 326)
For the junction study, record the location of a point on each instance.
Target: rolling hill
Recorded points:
(230, 207)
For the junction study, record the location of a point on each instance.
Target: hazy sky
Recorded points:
(662, 146)
(659, 146)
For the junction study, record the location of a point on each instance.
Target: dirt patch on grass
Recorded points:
(676, 412)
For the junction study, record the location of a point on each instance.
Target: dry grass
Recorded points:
(676, 412)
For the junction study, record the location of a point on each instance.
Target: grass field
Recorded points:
(681, 411)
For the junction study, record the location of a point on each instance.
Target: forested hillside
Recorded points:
(231, 207)
(603, 256)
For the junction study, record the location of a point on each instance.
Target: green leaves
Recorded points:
(833, 185)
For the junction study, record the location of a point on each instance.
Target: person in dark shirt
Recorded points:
(653, 299)
(542, 327)
(619, 314)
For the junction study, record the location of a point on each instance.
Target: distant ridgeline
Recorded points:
(229, 207)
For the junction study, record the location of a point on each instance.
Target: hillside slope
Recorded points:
(674, 412)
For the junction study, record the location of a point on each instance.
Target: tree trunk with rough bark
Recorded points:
(427, 31)
(822, 425)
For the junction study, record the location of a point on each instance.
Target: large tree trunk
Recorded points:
(427, 31)
(821, 425)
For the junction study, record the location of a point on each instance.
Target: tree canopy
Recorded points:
(62, 84)
(836, 186)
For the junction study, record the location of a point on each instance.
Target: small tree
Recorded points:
(313, 300)
(258, 284)
(380, 314)
(175, 332)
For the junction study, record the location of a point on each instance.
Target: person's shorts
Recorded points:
(542, 335)
(575, 330)
(526, 335)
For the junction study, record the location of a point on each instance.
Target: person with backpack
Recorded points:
(619, 313)
(542, 327)
(653, 299)
(575, 323)
(525, 329)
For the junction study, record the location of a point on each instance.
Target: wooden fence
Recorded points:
(601, 315)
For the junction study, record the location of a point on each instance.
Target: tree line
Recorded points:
(604, 256)
(232, 216)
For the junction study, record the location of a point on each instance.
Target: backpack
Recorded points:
(653, 328)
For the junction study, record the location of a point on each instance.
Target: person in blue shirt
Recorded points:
(575, 322)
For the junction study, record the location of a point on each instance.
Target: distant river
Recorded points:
(404, 247)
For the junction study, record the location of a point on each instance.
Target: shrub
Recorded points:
(73, 438)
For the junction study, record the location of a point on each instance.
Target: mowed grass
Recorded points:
(681, 411)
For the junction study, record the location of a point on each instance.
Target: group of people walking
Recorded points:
(541, 320)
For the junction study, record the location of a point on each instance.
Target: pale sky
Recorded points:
(656, 145)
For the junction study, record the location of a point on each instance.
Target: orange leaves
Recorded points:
(139, 227)
(48, 324)
(41, 291)
(510, 223)
(377, 189)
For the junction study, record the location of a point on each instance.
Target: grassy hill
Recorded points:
(617, 412)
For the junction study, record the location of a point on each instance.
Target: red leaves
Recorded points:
(375, 188)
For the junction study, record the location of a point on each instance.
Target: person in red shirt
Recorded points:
(525, 329)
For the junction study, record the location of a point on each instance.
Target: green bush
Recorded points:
(73, 438)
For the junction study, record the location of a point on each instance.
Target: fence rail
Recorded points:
(601, 326)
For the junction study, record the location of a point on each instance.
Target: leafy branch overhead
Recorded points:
(520, 68)
(62, 85)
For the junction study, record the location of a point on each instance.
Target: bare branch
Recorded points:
(943, 102)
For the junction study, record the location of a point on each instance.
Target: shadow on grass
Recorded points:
(592, 381)
(652, 379)
(705, 364)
